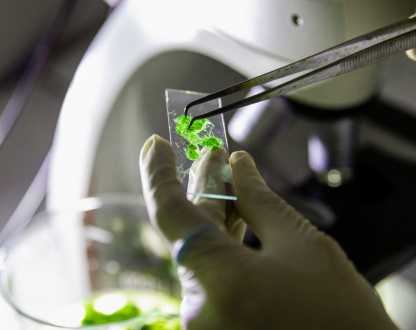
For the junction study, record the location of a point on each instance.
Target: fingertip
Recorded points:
(146, 146)
(242, 157)
(218, 154)
(160, 141)
(155, 141)
(245, 172)
(157, 161)
(218, 150)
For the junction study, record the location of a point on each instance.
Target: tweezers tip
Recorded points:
(191, 122)
(188, 106)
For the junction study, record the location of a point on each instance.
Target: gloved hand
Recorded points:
(301, 279)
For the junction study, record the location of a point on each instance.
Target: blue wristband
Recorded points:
(182, 246)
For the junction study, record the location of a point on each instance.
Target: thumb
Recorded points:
(267, 214)
(280, 228)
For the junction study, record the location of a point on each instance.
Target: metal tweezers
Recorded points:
(357, 53)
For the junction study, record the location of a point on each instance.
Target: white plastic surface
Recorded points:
(269, 25)
(139, 30)
(125, 42)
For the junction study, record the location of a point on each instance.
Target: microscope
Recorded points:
(305, 143)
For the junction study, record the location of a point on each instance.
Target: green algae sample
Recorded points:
(94, 317)
(192, 152)
(172, 324)
(200, 134)
(137, 309)
(211, 142)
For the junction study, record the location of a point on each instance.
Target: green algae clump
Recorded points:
(93, 317)
(200, 133)
(212, 143)
(192, 152)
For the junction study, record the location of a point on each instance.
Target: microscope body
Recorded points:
(247, 39)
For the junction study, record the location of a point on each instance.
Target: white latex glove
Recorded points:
(301, 279)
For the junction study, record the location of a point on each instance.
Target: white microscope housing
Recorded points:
(105, 120)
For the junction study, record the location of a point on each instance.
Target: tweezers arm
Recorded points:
(305, 80)
(324, 58)
(379, 52)
(353, 62)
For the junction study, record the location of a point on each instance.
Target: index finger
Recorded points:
(205, 179)
(165, 198)
(211, 175)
